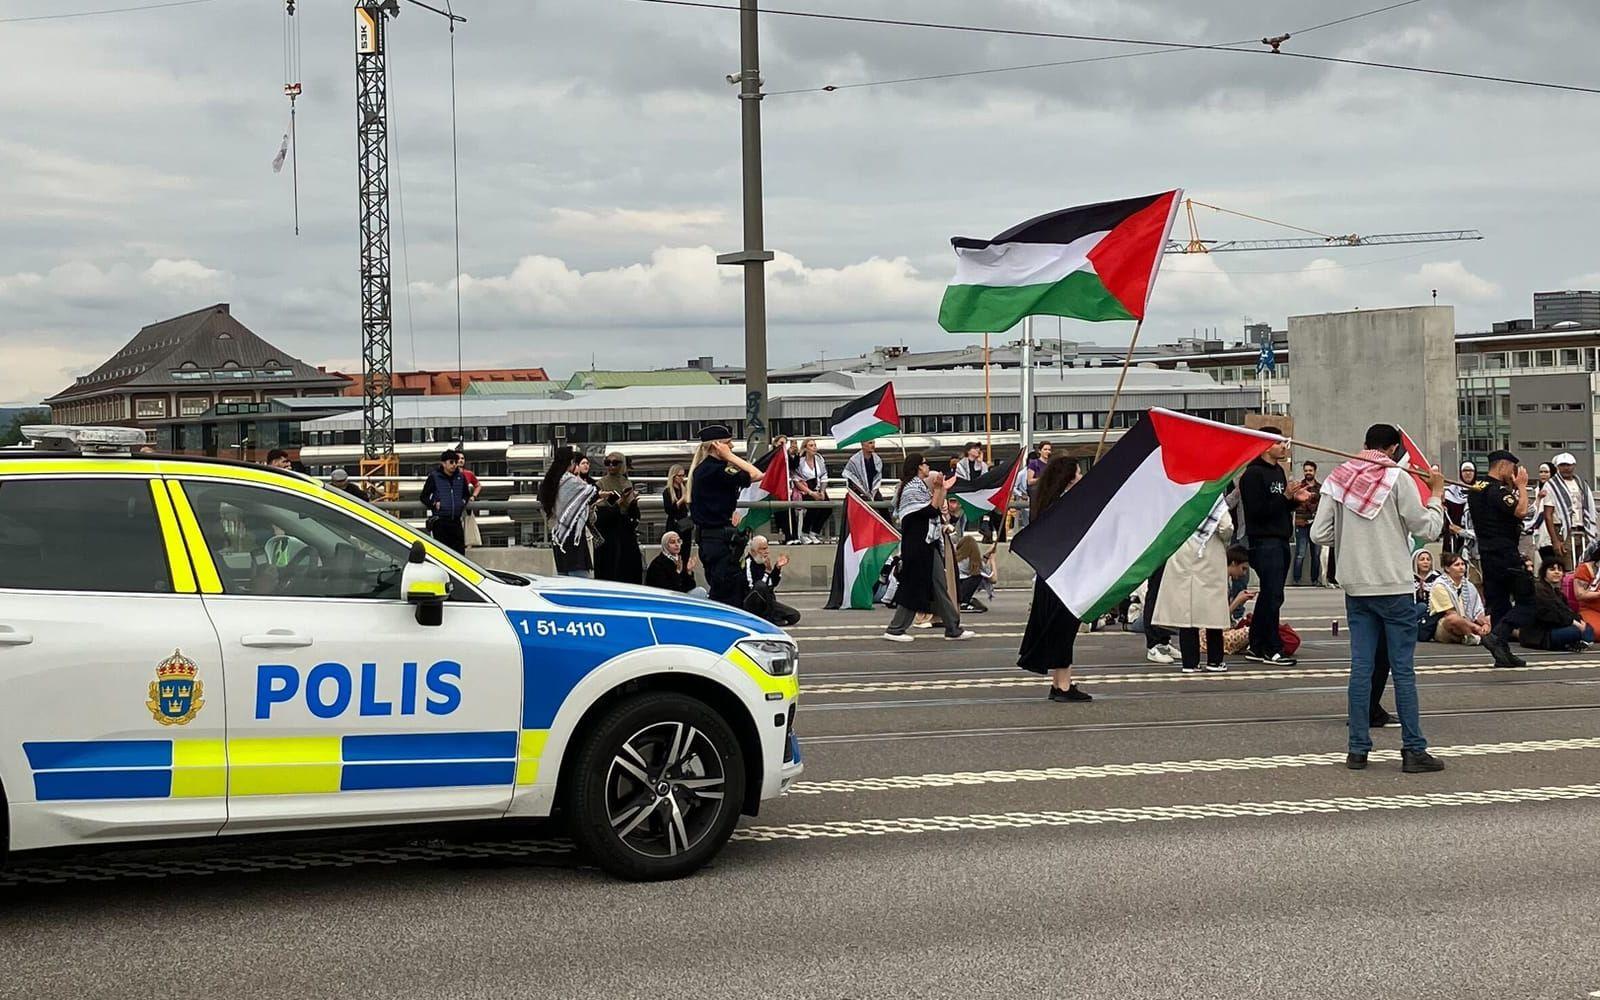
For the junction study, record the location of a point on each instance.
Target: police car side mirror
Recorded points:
(426, 586)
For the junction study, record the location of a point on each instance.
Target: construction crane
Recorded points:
(372, 186)
(1312, 241)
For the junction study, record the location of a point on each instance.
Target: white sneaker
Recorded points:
(1167, 650)
(1472, 640)
(898, 637)
(1155, 655)
(1216, 668)
(965, 634)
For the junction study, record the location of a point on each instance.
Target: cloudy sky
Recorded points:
(599, 170)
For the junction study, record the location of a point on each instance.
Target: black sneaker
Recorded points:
(1056, 694)
(1419, 762)
(1503, 656)
(1254, 656)
(1379, 719)
(1355, 761)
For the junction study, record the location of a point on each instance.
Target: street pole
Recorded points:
(1026, 424)
(753, 258)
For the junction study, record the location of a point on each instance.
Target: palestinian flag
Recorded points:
(874, 415)
(1142, 500)
(1094, 262)
(773, 485)
(866, 541)
(990, 491)
(1411, 456)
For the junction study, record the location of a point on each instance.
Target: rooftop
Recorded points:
(612, 379)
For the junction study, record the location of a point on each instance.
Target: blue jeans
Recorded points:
(1302, 545)
(1394, 616)
(1566, 635)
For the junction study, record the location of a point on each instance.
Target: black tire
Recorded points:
(616, 810)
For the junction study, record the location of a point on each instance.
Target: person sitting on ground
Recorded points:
(762, 575)
(1554, 626)
(1586, 588)
(1237, 637)
(1456, 605)
(975, 572)
(673, 569)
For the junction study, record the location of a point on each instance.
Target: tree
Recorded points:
(12, 434)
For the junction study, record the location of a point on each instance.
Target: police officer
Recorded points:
(1498, 505)
(715, 479)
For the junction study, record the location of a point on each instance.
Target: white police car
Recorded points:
(193, 647)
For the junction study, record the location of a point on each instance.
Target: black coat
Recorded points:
(1551, 612)
(916, 561)
(664, 572)
(616, 552)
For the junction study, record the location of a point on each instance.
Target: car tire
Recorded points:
(656, 787)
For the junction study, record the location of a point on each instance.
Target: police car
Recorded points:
(194, 647)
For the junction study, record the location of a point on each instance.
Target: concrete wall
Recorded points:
(1355, 369)
(810, 566)
(1552, 425)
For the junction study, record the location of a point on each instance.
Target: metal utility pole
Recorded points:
(372, 166)
(753, 257)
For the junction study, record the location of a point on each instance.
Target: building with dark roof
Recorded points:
(183, 367)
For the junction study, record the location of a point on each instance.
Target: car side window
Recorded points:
(268, 543)
(81, 534)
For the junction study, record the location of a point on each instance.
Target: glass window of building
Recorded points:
(1569, 356)
(1522, 359)
(1546, 359)
(1494, 362)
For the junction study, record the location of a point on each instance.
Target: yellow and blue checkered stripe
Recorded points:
(163, 769)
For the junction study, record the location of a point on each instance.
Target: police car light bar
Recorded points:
(59, 437)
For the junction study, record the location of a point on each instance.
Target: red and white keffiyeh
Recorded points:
(1363, 486)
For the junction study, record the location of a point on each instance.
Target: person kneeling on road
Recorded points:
(762, 574)
(673, 568)
(1370, 510)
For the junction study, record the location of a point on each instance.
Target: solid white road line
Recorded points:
(840, 829)
(1137, 769)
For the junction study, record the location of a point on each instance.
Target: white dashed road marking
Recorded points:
(1168, 675)
(841, 829)
(906, 782)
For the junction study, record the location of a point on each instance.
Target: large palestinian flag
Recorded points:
(990, 491)
(773, 485)
(874, 415)
(1094, 262)
(1134, 508)
(866, 541)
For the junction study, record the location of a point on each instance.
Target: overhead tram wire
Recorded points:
(831, 88)
(1116, 40)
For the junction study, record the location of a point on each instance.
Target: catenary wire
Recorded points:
(1117, 40)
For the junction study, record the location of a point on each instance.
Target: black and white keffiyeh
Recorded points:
(863, 474)
(574, 498)
(1209, 526)
(1560, 495)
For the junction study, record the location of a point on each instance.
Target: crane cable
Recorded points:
(455, 195)
(291, 90)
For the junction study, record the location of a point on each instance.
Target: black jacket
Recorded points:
(665, 574)
(1268, 511)
(1551, 612)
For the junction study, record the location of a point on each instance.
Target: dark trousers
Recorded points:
(449, 532)
(1269, 557)
(1154, 635)
(967, 589)
(1380, 678)
(1189, 646)
(726, 583)
(816, 519)
(1507, 596)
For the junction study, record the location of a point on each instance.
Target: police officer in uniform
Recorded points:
(715, 479)
(1498, 505)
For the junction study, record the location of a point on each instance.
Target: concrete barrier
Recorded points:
(810, 566)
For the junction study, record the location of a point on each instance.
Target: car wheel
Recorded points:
(656, 787)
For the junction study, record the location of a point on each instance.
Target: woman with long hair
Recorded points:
(918, 505)
(716, 477)
(1052, 630)
(675, 501)
(616, 525)
(568, 501)
(811, 478)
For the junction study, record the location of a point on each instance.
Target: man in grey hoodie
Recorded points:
(1370, 510)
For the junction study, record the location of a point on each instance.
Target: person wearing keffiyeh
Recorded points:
(863, 473)
(1370, 511)
(1567, 506)
(568, 500)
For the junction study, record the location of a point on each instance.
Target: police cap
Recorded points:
(715, 432)
(1502, 456)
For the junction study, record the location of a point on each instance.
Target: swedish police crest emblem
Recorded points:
(175, 694)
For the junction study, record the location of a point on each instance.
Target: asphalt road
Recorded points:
(955, 835)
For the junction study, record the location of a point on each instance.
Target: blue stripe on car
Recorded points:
(430, 746)
(57, 756)
(57, 786)
(370, 777)
(702, 610)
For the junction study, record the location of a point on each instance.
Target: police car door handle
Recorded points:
(278, 638)
(14, 637)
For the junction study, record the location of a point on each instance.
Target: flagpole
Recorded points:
(988, 429)
(1025, 424)
(1414, 470)
(1117, 393)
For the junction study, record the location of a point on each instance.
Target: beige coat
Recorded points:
(1194, 589)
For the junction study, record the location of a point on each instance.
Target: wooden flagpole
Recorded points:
(988, 430)
(1117, 393)
(1414, 470)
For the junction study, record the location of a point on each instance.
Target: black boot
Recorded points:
(1419, 762)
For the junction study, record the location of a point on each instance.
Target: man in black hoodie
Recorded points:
(1269, 503)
